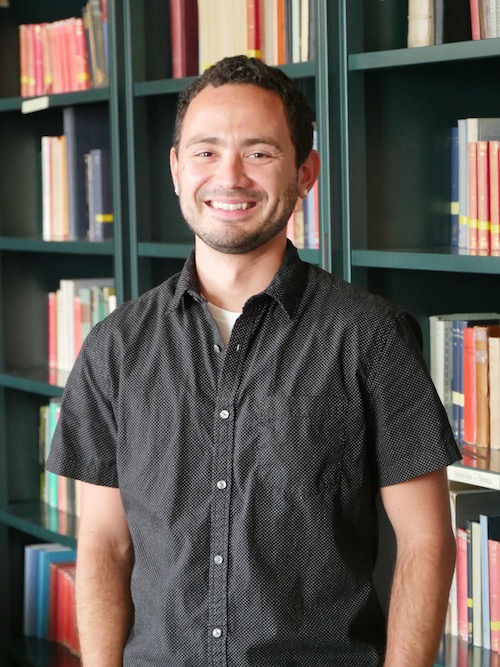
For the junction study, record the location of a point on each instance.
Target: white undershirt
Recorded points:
(225, 320)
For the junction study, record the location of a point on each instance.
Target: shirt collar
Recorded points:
(286, 288)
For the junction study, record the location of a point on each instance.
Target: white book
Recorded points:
(420, 23)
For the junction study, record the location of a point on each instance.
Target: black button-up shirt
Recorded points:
(248, 473)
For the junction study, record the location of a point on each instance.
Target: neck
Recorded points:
(228, 281)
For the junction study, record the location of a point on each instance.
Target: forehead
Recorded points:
(235, 107)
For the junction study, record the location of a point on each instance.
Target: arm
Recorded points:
(419, 511)
(104, 565)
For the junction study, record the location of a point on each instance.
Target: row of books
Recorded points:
(303, 226)
(66, 55)
(49, 594)
(475, 185)
(442, 21)
(465, 368)
(76, 178)
(204, 31)
(474, 608)
(60, 493)
(73, 310)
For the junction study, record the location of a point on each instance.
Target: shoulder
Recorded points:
(350, 307)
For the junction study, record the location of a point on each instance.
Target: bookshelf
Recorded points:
(30, 268)
(397, 107)
(383, 113)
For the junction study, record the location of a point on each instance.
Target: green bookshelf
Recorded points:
(383, 114)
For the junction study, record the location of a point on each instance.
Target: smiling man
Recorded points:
(234, 425)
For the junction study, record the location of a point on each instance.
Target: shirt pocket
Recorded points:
(302, 439)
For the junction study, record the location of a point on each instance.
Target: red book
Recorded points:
(80, 57)
(472, 202)
(462, 611)
(475, 19)
(469, 368)
(483, 198)
(494, 565)
(184, 37)
(254, 29)
(494, 196)
(52, 330)
(38, 59)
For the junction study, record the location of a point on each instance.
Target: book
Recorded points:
(483, 199)
(481, 336)
(100, 211)
(420, 23)
(475, 19)
(452, 21)
(62, 618)
(454, 204)
(494, 381)
(472, 194)
(85, 128)
(467, 503)
(60, 553)
(254, 29)
(184, 38)
(475, 605)
(31, 567)
(494, 581)
(494, 193)
(489, 530)
(469, 372)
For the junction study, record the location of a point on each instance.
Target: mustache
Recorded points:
(240, 193)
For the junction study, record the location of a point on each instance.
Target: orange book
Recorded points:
(254, 29)
(38, 59)
(472, 192)
(281, 30)
(23, 59)
(30, 61)
(483, 199)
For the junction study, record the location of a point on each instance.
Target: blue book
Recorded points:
(31, 584)
(57, 554)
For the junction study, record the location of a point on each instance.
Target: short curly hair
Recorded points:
(240, 69)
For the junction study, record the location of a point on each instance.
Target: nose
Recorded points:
(231, 172)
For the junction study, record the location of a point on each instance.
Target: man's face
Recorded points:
(235, 167)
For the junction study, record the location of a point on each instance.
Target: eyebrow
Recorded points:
(249, 141)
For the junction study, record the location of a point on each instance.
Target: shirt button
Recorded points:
(217, 348)
(216, 632)
(221, 484)
(224, 414)
(218, 560)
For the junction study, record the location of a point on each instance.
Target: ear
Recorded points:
(174, 169)
(308, 173)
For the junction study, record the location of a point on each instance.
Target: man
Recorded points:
(234, 425)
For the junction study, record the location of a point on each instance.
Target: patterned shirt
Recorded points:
(249, 473)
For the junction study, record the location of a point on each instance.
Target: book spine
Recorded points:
(472, 190)
(254, 29)
(483, 200)
(494, 189)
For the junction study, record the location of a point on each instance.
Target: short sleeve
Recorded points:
(411, 430)
(85, 439)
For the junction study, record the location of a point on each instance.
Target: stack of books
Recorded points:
(204, 31)
(441, 21)
(49, 594)
(66, 55)
(475, 191)
(76, 178)
(465, 368)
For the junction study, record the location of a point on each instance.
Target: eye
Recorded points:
(204, 154)
(259, 156)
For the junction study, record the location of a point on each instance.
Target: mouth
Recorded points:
(230, 206)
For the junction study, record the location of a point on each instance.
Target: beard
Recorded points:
(237, 239)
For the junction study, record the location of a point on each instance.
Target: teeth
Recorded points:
(230, 207)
